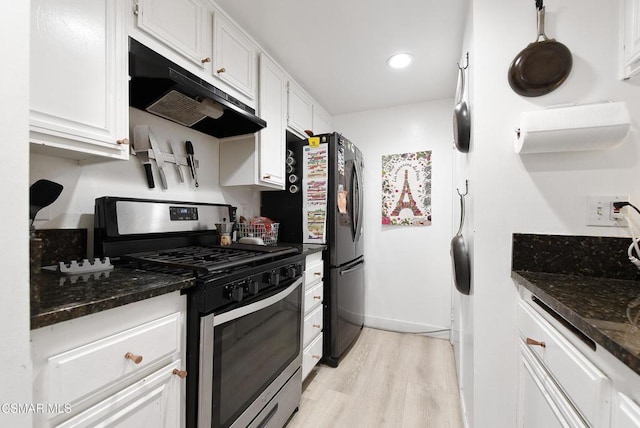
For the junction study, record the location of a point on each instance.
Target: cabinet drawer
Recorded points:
(312, 325)
(311, 356)
(586, 386)
(313, 297)
(314, 268)
(626, 413)
(88, 368)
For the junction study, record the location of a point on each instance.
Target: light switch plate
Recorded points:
(599, 210)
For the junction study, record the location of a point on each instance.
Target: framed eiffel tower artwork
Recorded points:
(406, 189)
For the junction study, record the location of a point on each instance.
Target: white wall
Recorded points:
(408, 270)
(83, 183)
(543, 193)
(15, 386)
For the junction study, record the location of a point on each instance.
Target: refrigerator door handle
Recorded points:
(357, 210)
(353, 268)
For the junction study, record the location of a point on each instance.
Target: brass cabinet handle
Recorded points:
(204, 60)
(265, 177)
(180, 373)
(535, 343)
(123, 141)
(317, 297)
(316, 326)
(317, 273)
(317, 357)
(221, 70)
(137, 359)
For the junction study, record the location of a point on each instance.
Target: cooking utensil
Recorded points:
(542, 66)
(461, 115)
(141, 146)
(42, 193)
(191, 161)
(459, 254)
(159, 159)
(174, 146)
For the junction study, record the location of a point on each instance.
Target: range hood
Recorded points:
(165, 89)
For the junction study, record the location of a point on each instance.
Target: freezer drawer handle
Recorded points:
(353, 269)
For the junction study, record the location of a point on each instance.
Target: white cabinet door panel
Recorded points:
(234, 56)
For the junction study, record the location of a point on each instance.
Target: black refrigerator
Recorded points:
(323, 204)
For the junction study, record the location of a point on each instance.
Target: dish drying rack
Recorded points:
(268, 232)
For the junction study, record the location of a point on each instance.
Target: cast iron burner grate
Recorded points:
(203, 259)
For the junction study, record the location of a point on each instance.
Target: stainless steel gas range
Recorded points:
(244, 319)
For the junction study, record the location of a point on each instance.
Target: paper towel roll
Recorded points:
(585, 127)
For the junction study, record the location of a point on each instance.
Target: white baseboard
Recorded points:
(438, 332)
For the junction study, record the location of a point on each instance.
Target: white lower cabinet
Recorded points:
(576, 391)
(121, 367)
(626, 413)
(313, 313)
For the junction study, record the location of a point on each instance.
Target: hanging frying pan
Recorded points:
(542, 66)
(459, 254)
(461, 115)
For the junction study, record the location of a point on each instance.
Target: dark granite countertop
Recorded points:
(606, 310)
(589, 282)
(305, 249)
(56, 297)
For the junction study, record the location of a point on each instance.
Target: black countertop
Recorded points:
(589, 282)
(605, 310)
(56, 297)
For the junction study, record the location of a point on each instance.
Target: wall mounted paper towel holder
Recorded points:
(574, 128)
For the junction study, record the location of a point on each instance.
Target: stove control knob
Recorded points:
(291, 272)
(251, 287)
(273, 277)
(235, 292)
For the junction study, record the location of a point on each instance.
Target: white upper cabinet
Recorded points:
(234, 56)
(78, 79)
(178, 24)
(300, 110)
(630, 23)
(321, 121)
(273, 108)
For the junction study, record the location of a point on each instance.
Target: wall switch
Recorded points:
(600, 211)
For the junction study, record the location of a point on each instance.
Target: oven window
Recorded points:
(250, 352)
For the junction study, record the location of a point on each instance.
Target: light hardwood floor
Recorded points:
(386, 380)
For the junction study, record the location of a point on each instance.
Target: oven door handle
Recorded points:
(256, 306)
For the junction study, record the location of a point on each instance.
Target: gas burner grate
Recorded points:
(203, 259)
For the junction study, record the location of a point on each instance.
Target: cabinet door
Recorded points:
(234, 56)
(541, 403)
(154, 401)
(631, 38)
(272, 106)
(78, 78)
(321, 121)
(177, 24)
(626, 413)
(300, 110)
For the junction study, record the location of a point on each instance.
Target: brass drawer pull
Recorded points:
(317, 357)
(123, 141)
(535, 343)
(204, 60)
(137, 359)
(180, 373)
(316, 326)
(221, 70)
(317, 273)
(317, 297)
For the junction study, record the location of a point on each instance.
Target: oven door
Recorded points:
(247, 355)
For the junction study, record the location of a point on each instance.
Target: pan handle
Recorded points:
(541, 25)
(462, 195)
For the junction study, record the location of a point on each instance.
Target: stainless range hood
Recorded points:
(167, 90)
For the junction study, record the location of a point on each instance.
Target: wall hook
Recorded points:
(466, 190)
(466, 65)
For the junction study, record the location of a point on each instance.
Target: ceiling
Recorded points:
(337, 49)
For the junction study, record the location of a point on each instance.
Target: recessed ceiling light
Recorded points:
(400, 60)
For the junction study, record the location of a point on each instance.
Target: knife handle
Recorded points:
(147, 170)
(189, 147)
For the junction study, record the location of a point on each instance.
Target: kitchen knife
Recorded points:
(159, 159)
(191, 161)
(141, 145)
(174, 151)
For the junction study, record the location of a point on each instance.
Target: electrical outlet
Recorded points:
(600, 211)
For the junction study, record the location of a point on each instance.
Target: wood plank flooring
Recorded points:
(386, 380)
